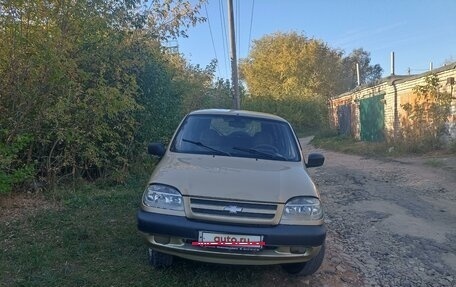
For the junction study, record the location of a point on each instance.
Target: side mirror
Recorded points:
(157, 149)
(315, 159)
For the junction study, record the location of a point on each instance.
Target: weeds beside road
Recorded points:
(90, 239)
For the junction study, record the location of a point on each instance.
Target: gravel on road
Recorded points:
(390, 223)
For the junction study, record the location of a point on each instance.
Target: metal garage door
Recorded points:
(344, 119)
(372, 116)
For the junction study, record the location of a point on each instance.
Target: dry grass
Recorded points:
(19, 205)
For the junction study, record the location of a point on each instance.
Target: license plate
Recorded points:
(229, 241)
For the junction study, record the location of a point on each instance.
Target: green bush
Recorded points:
(89, 83)
(13, 170)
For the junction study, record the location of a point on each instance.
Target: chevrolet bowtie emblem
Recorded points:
(232, 209)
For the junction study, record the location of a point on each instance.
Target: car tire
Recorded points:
(306, 268)
(158, 259)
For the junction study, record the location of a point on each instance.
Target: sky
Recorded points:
(418, 31)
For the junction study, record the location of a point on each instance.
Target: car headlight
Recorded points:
(303, 209)
(163, 196)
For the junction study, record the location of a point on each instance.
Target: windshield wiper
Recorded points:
(257, 152)
(206, 146)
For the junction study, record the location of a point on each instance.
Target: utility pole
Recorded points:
(392, 63)
(234, 68)
(358, 81)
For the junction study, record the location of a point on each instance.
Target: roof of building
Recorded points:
(398, 79)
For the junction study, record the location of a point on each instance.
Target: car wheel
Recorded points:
(306, 268)
(158, 259)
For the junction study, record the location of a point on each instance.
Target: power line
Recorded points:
(224, 35)
(251, 22)
(212, 37)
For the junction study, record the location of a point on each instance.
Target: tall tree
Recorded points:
(293, 75)
(284, 65)
(367, 73)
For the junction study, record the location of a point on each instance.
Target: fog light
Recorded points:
(162, 239)
(298, 249)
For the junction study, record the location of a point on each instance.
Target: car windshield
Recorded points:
(237, 136)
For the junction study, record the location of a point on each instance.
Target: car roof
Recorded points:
(237, 113)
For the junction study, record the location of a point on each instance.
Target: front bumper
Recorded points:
(179, 232)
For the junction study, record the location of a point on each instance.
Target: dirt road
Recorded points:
(390, 223)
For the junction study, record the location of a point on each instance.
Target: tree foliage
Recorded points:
(289, 64)
(293, 75)
(368, 73)
(84, 84)
(13, 170)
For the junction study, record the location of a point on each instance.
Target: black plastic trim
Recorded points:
(239, 214)
(180, 226)
(238, 204)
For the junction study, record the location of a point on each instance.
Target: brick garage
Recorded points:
(385, 99)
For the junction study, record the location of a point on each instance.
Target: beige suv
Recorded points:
(232, 188)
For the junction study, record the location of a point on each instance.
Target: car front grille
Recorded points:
(232, 210)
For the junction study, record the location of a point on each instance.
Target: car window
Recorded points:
(237, 136)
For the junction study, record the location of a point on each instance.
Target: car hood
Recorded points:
(234, 178)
